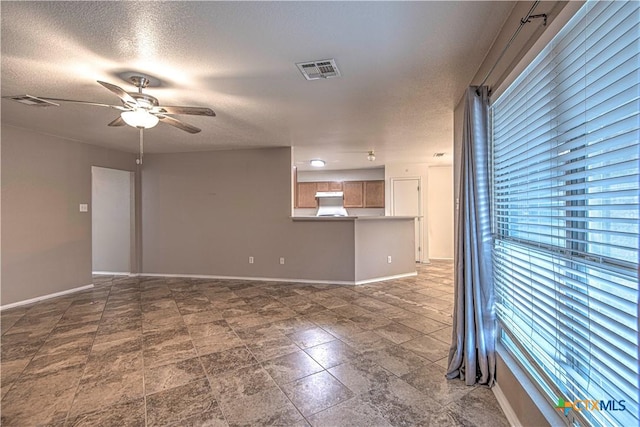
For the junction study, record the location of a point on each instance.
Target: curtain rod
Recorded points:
(523, 21)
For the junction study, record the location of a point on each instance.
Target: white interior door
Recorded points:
(405, 194)
(111, 220)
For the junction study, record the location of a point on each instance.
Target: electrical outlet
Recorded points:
(389, 259)
(84, 207)
(282, 260)
(250, 260)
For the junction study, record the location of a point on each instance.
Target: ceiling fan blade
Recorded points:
(120, 93)
(117, 122)
(195, 111)
(177, 123)
(74, 101)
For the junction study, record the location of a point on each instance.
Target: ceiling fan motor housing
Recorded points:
(144, 101)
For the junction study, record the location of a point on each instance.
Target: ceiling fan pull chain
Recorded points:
(139, 159)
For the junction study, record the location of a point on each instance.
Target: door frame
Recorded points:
(133, 257)
(420, 219)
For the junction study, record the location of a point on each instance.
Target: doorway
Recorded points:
(112, 220)
(406, 200)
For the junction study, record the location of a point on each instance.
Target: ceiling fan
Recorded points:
(138, 109)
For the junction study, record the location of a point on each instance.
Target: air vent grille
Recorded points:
(32, 101)
(438, 155)
(322, 69)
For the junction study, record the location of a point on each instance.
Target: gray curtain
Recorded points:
(472, 354)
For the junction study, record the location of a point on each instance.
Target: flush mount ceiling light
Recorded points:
(139, 118)
(371, 156)
(317, 163)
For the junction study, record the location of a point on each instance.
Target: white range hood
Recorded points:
(331, 203)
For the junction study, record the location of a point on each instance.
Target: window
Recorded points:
(565, 171)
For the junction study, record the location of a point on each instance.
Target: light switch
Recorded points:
(84, 207)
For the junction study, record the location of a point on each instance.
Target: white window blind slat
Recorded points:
(545, 299)
(566, 214)
(623, 143)
(572, 112)
(535, 304)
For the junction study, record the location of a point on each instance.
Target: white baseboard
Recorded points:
(512, 418)
(382, 279)
(113, 273)
(200, 276)
(259, 279)
(281, 279)
(44, 297)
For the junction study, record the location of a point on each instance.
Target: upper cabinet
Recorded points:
(353, 194)
(357, 194)
(374, 194)
(306, 195)
(328, 186)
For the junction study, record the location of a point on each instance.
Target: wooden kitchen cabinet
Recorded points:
(322, 186)
(357, 194)
(328, 186)
(353, 194)
(374, 194)
(335, 186)
(306, 195)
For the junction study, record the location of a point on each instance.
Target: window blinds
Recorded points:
(565, 170)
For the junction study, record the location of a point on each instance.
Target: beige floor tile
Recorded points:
(202, 352)
(316, 393)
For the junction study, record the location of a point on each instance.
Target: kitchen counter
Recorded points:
(350, 218)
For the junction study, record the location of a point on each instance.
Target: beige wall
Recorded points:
(523, 44)
(207, 213)
(377, 239)
(371, 174)
(203, 214)
(46, 241)
(440, 212)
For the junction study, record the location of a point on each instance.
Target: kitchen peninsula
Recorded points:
(371, 248)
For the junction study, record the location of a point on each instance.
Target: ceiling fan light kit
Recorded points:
(139, 118)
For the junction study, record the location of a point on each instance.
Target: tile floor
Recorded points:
(195, 352)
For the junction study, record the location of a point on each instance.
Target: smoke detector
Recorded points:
(322, 69)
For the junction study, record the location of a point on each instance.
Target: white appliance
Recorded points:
(331, 203)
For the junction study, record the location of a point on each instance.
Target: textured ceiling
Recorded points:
(404, 67)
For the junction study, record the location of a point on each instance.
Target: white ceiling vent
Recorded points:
(323, 69)
(32, 101)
